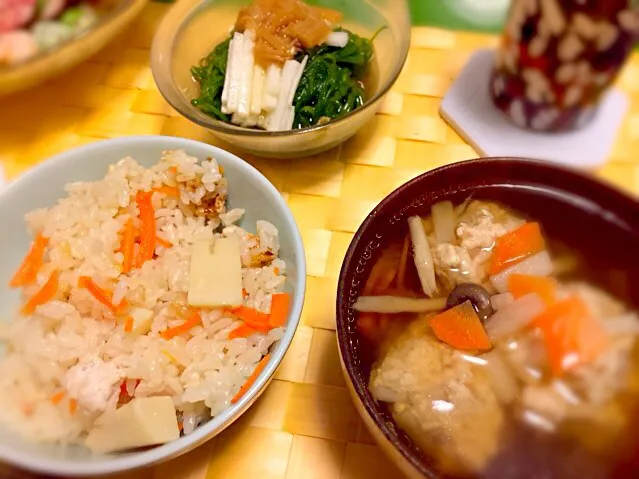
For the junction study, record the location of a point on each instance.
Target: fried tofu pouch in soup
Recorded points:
(442, 400)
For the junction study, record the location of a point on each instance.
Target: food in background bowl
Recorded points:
(490, 347)
(286, 65)
(28, 27)
(145, 309)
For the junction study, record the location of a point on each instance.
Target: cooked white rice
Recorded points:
(75, 344)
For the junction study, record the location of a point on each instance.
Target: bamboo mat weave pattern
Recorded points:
(304, 426)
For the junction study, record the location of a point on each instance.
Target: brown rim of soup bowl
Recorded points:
(594, 219)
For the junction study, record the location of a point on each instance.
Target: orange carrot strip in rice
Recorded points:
(173, 170)
(31, 263)
(127, 246)
(73, 406)
(249, 382)
(164, 243)
(195, 319)
(128, 324)
(242, 331)
(44, 295)
(57, 397)
(103, 296)
(244, 293)
(280, 304)
(254, 318)
(148, 235)
(172, 191)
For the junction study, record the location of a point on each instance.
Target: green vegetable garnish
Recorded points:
(331, 83)
(210, 75)
(330, 87)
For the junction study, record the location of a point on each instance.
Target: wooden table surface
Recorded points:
(304, 426)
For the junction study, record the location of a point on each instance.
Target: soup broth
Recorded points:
(496, 353)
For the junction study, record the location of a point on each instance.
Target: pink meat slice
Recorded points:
(15, 14)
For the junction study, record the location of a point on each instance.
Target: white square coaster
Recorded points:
(468, 108)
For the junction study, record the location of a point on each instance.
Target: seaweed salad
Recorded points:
(286, 65)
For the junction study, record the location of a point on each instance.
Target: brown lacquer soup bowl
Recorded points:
(594, 222)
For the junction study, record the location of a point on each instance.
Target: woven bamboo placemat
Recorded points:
(304, 426)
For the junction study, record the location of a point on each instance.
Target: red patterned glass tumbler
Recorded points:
(558, 57)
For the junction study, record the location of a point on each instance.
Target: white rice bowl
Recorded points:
(77, 350)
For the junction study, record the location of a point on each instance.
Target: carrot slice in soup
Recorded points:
(251, 379)
(571, 334)
(461, 328)
(31, 264)
(44, 295)
(280, 304)
(515, 246)
(522, 284)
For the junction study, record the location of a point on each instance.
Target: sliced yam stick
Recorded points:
(235, 73)
(403, 264)
(461, 328)
(444, 221)
(246, 77)
(73, 406)
(251, 379)
(243, 331)
(571, 334)
(127, 246)
(148, 234)
(273, 82)
(44, 295)
(254, 318)
(398, 304)
(543, 286)
(280, 305)
(296, 80)
(515, 246)
(259, 80)
(102, 295)
(278, 116)
(422, 255)
(194, 319)
(539, 264)
(57, 397)
(28, 270)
